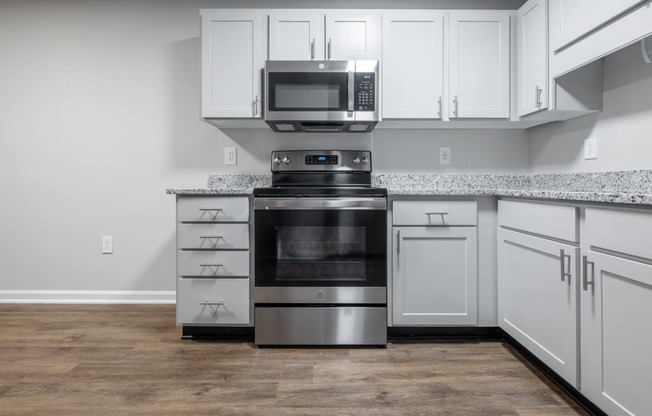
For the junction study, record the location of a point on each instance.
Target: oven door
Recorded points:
(319, 242)
(309, 91)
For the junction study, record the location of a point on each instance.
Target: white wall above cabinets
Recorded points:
(304, 34)
(479, 50)
(232, 60)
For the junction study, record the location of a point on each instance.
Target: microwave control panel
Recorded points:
(365, 91)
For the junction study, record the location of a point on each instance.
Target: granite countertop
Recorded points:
(620, 187)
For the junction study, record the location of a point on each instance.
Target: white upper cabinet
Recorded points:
(352, 34)
(324, 35)
(579, 17)
(232, 60)
(413, 65)
(479, 64)
(532, 57)
(296, 35)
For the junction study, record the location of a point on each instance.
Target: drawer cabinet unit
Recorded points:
(434, 280)
(213, 261)
(616, 308)
(538, 285)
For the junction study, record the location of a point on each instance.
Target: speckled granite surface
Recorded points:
(620, 187)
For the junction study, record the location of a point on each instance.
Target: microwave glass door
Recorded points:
(308, 91)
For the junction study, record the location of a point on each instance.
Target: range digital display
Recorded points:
(321, 160)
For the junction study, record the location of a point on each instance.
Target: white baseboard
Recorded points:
(88, 296)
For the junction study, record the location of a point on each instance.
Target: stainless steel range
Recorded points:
(320, 251)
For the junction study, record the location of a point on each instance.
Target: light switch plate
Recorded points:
(591, 148)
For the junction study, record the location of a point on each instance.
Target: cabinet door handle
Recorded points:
(329, 49)
(212, 303)
(585, 273)
(564, 273)
(537, 96)
(455, 104)
(439, 106)
(256, 106)
(312, 49)
(398, 242)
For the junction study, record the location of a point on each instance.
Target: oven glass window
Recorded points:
(320, 253)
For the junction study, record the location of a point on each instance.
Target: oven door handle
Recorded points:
(319, 203)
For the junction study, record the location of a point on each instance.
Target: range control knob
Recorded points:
(356, 160)
(365, 160)
(286, 160)
(277, 160)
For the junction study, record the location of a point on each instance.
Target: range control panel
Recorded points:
(365, 91)
(321, 160)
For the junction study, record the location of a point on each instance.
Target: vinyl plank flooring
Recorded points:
(129, 359)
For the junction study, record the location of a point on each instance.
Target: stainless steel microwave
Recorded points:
(321, 96)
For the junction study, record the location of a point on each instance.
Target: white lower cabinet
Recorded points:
(616, 312)
(213, 261)
(537, 298)
(435, 276)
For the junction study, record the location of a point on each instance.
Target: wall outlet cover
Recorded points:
(230, 156)
(444, 155)
(591, 148)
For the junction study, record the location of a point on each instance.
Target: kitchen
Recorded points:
(117, 123)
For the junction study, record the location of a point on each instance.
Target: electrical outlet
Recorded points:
(230, 157)
(107, 244)
(444, 155)
(591, 148)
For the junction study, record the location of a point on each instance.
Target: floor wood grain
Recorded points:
(129, 359)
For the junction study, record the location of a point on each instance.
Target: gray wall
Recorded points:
(623, 128)
(99, 114)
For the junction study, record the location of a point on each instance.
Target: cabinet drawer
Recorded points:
(442, 213)
(556, 221)
(213, 263)
(213, 236)
(623, 231)
(213, 301)
(213, 209)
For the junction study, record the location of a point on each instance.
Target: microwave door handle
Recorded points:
(351, 85)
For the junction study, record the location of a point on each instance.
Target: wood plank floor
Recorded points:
(129, 360)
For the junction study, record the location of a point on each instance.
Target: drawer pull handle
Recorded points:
(211, 237)
(211, 265)
(585, 273)
(564, 273)
(212, 303)
(212, 211)
(436, 213)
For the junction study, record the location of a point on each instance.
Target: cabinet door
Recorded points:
(352, 35)
(413, 50)
(296, 35)
(435, 276)
(616, 338)
(532, 57)
(232, 61)
(575, 18)
(537, 298)
(479, 65)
